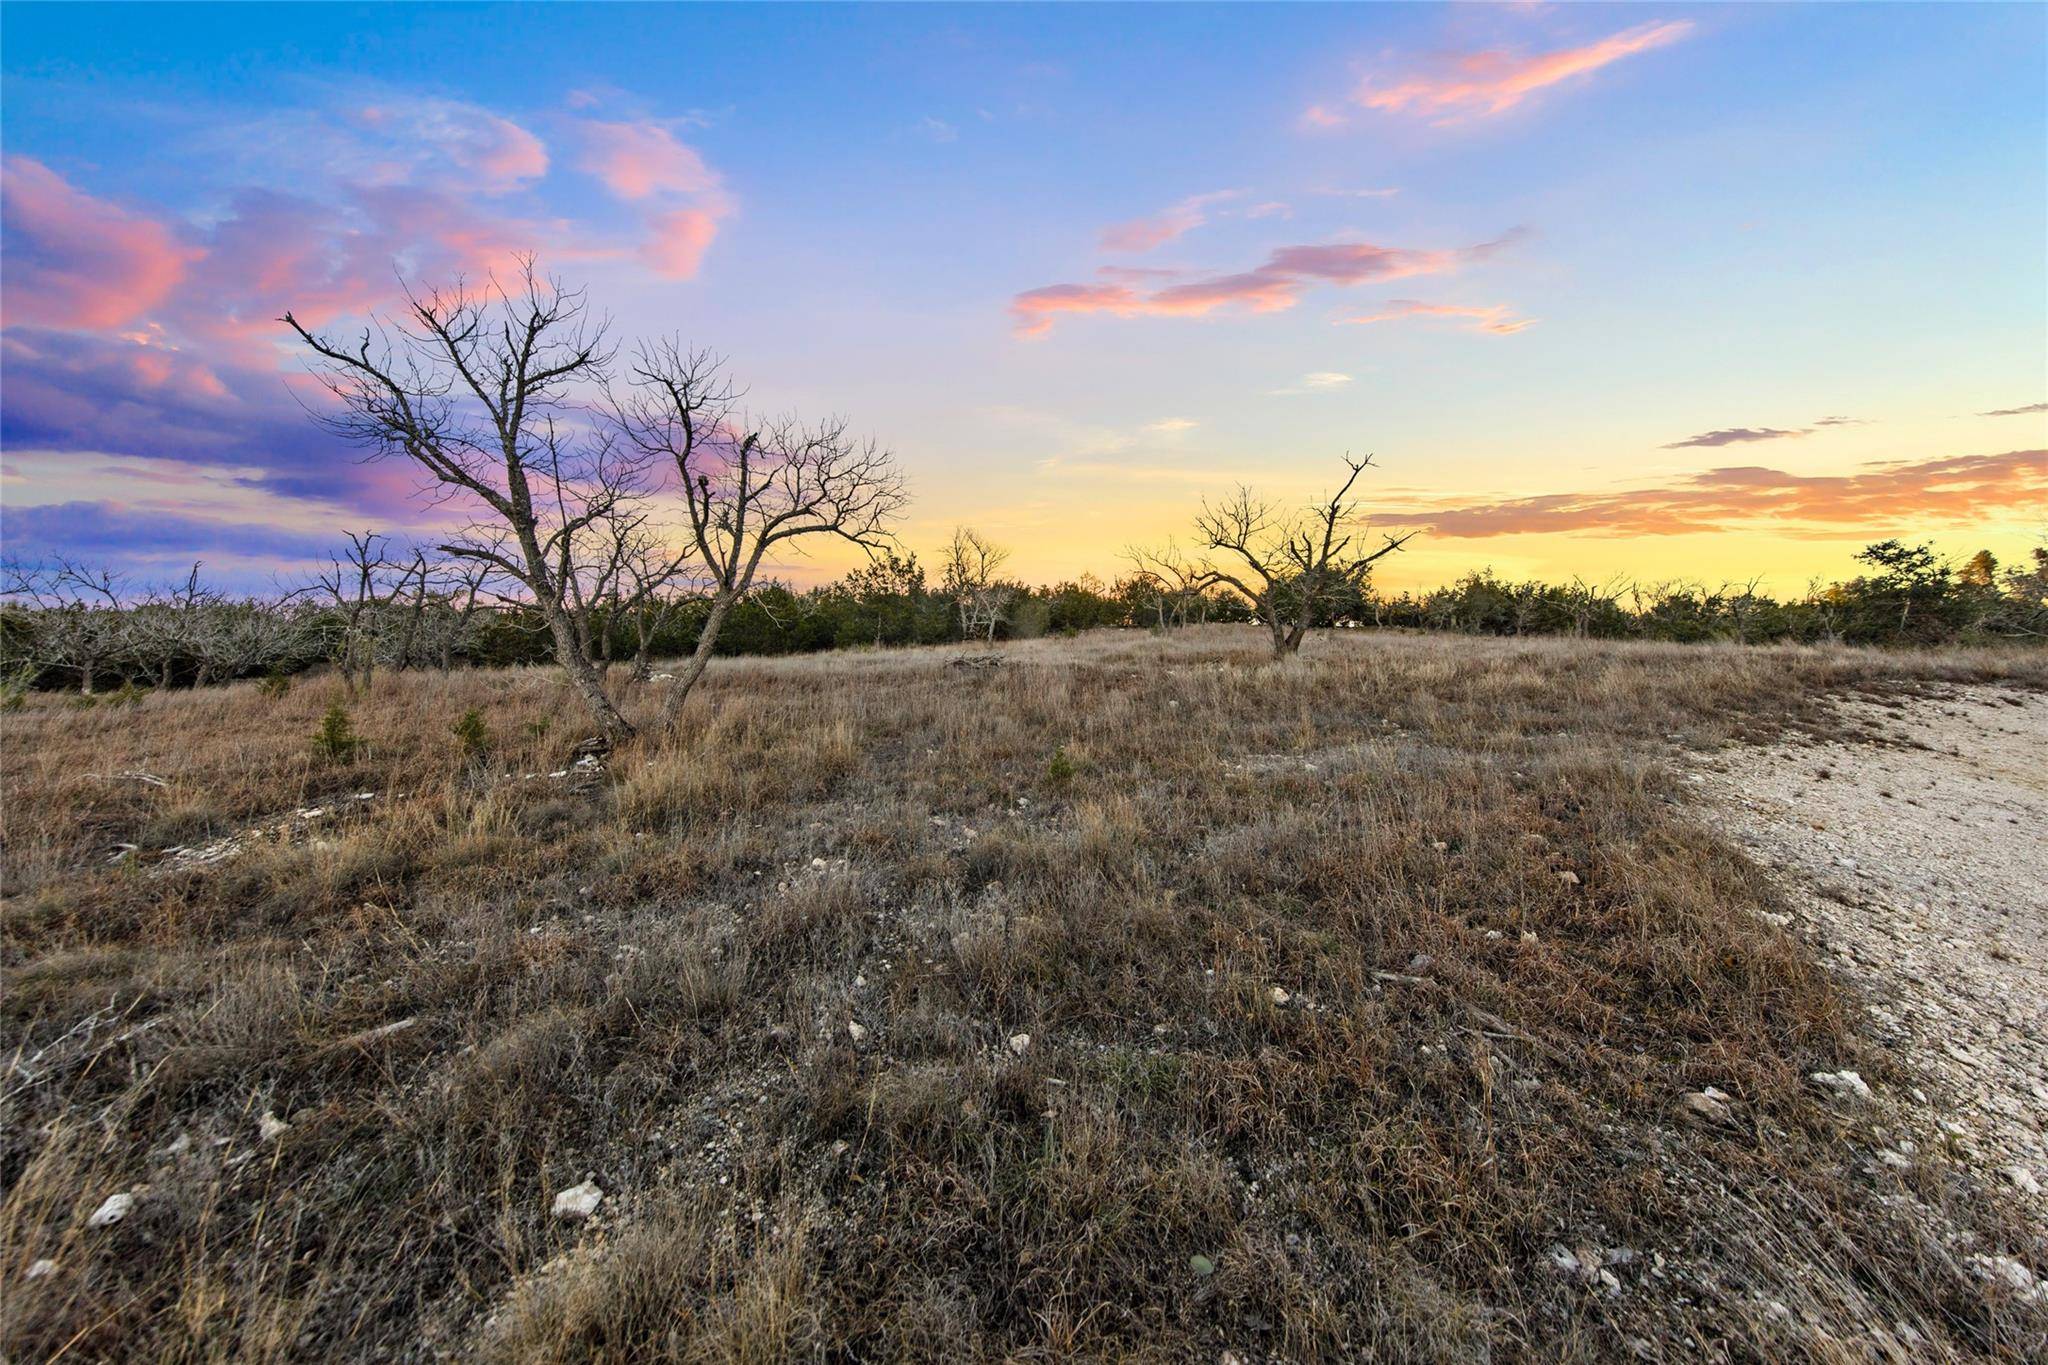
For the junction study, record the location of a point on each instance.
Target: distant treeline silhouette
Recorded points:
(68, 625)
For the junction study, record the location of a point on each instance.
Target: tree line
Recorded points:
(558, 449)
(67, 625)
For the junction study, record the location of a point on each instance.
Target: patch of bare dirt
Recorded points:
(1915, 858)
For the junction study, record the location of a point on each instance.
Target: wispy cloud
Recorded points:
(1316, 381)
(1490, 82)
(1495, 318)
(1957, 490)
(1143, 234)
(1735, 436)
(74, 260)
(2016, 412)
(1277, 284)
(636, 160)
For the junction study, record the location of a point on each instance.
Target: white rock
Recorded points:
(857, 1032)
(1279, 995)
(1020, 1043)
(2005, 1270)
(270, 1127)
(1709, 1104)
(1847, 1084)
(46, 1266)
(112, 1211)
(2023, 1179)
(579, 1201)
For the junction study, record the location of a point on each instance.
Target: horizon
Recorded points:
(1702, 293)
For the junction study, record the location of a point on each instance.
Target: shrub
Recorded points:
(1061, 768)
(275, 683)
(336, 740)
(473, 736)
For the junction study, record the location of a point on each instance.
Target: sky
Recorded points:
(1613, 291)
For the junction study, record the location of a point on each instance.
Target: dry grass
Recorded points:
(648, 979)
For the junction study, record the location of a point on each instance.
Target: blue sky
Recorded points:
(1586, 235)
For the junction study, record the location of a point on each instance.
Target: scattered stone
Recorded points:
(41, 1269)
(1845, 1084)
(856, 1031)
(2023, 1179)
(578, 1201)
(1020, 1043)
(1201, 1265)
(270, 1127)
(1279, 996)
(1569, 878)
(2006, 1271)
(112, 1211)
(1709, 1105)
(1420, 964)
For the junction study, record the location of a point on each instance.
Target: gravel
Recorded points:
(1915, 858)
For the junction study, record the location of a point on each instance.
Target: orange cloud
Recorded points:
(1483, 84)
(677, 242)
(1492, 318)
(1956, 490)
(635, 160)
(77, 261)
(1142, 234)
(1278, 284)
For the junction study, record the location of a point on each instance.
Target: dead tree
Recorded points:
(78, 617)
(970, 580)
(1288, 564)
(1178, 585)
(469, 387)
(164, 629)
(355, 587)
(749, 486)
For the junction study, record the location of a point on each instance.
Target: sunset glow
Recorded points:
(1662, 293)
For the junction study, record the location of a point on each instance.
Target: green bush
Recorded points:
(336, 740)
(473, 736)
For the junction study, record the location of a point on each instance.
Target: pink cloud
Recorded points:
(77, 261)
(1955, 490)
(1493, 318)
(1142, 234)
(489, 152)
(1483, 84)
(1321, 116)
(677, 242)
(1278, 284)
(635, 160)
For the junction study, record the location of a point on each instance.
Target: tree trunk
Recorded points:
(700, 659)
(584, 677)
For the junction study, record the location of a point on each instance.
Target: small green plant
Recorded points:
(473, 736)
(336, 740)
(1061, 768)
(85, 701)
(537, 728)
(128, 694)
(274, 684)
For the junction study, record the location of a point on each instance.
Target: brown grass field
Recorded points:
(1326, 1059)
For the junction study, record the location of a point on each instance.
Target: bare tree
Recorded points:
(970, 580)
(1180, 586)
(1288, 564)
(749, 486)
(356, 585)
(79, 618)
(165, 626)
(481, 391)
